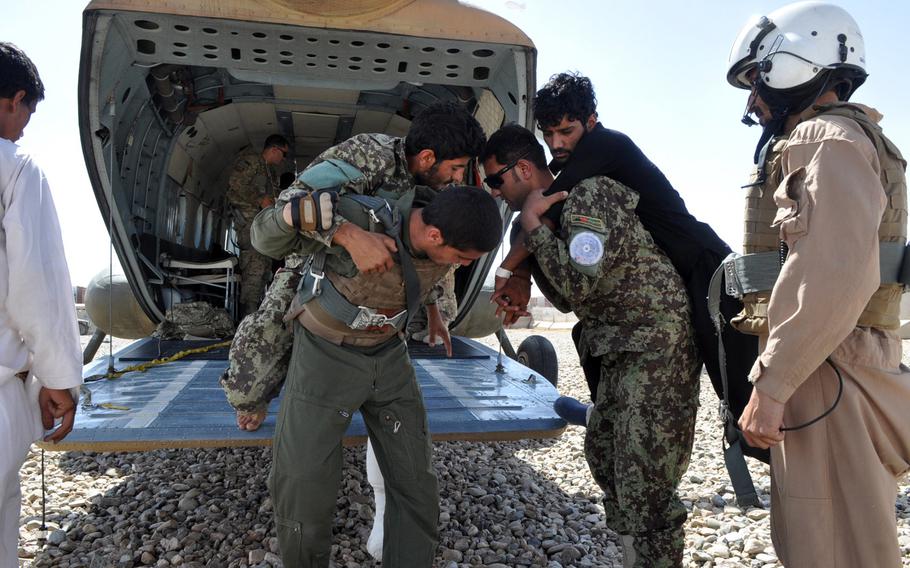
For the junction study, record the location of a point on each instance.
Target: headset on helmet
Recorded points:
(798, 51)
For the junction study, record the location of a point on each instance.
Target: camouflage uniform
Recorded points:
(251, 180)
(634, 311)
(262, 329)
(199, 319)
(261, 350)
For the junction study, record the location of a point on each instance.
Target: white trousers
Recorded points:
(20, 425)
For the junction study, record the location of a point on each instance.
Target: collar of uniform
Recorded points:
(401, 161)
(816, 110)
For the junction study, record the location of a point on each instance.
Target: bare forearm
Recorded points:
(518, 254)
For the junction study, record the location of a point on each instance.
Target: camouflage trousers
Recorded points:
(638, 443)
(259, 356)
(255, 269)
(446, 304)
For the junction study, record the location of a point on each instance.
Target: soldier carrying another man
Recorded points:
(349, 355)
(604, 266)
(440, 142)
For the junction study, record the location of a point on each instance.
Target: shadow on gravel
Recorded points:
(210, 508)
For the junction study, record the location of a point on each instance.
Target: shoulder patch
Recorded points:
(588, 222)
(586, 248)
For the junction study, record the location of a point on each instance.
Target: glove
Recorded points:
(314, 211)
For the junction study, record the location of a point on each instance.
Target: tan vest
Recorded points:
(383, 292)
(883, 309)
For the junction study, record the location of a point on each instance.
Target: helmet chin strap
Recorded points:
(771, 129)
(784, 103)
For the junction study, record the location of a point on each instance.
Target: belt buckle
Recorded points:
(731, 280)
(367, 317)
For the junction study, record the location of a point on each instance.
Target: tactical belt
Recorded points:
(336, 305)
(744, 274)
(314, 285)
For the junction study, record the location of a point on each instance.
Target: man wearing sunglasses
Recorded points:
(253, 184)
(604, 266)
(566, 112)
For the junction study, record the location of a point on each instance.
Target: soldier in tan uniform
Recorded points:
(252, 185)
(829, 205)
(349, 355)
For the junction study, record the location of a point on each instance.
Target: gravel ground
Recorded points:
(526, 503)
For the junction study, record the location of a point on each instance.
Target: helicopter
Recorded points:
(170, 92)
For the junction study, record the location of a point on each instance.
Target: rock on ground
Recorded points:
(523, 503)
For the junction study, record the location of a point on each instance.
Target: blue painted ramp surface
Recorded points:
(181, 404)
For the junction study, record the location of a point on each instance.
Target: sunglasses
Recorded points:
(495, 180)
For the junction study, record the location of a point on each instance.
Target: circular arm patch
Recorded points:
(586, 249)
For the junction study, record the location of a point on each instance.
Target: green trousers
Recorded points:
(326, 384)
(638, 443)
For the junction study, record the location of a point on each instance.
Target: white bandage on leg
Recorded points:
(374, 476)
(628, 550)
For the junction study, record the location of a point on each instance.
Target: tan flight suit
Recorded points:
(834, 483)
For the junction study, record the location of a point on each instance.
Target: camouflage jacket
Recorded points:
(604, 266)
(379, 157)
(251, 179)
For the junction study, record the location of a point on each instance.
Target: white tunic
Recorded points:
(37, 323)
(38, 329)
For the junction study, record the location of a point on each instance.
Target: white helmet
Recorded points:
(793, 45)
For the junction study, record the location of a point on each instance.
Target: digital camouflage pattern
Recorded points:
(262, 348)
(634, 313)
(379, 157)
(638, 442)
(251, 180)
(199, 319)
(258, 360)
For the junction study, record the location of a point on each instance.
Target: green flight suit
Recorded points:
(328, 380)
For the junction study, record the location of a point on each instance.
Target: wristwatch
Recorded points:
(503, 273)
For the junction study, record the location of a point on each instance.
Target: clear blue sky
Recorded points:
(658, 68)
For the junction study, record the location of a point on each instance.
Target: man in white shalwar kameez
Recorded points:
(40, 360)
